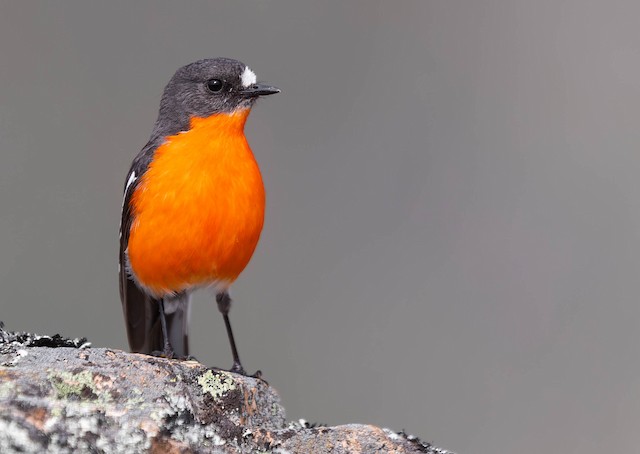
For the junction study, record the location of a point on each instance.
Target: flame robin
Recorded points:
(193, 205)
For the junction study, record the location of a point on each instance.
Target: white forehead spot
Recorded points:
(248, 77)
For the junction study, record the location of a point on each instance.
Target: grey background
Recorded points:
(453, 223)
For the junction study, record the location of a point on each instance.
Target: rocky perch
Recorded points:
(59, 395)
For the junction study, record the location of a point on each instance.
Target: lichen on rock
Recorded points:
(216, 384)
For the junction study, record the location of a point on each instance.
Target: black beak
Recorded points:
(255, 90)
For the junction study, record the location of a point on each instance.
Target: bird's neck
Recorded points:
(223, 123)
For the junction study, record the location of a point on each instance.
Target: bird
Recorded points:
(193, 206)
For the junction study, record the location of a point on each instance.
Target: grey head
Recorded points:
(204, 88)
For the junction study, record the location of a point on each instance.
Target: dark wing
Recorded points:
(141, 311)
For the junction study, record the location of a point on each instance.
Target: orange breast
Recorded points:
(199, 209)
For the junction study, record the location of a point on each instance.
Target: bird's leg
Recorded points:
(168, 350)
(224, 304)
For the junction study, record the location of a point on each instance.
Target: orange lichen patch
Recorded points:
(37, 417)
(103, 382)
(6, 375)
(199, 209)
(165, 445)
(250, 404)
(265, 437)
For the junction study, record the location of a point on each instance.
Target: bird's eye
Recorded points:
(215, 85)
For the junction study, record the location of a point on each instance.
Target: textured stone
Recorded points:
(58, 395)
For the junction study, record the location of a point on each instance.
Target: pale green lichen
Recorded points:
(217, 385)
(137, 401)
(6, 390)
(67, 384)
(140, 404)
(56, 411)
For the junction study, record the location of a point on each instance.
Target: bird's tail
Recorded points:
(144, 329)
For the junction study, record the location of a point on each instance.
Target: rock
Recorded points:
(58, 395)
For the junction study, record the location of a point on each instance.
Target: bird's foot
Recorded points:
(238, 369)
(163, 354)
